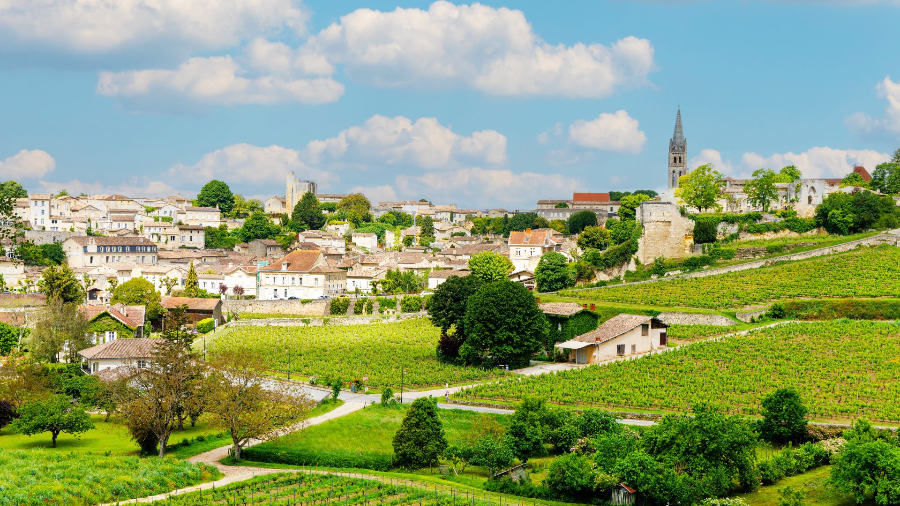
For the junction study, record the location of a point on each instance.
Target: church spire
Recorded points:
(677, 143)
(677, 153)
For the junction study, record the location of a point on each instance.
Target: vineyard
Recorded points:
(351, 352)
(314, 489)
(843, 370)
(696, 332)
(866, 272)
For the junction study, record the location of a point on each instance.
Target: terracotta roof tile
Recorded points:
(614, 327)
(122, 349)
(561, 308)
(298, 261)
(191, 303)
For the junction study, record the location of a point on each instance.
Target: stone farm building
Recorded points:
(117, 321)
(568, 320)
(121, 352)
(197, 309)
(621, 336)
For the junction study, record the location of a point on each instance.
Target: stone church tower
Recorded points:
(677, 153)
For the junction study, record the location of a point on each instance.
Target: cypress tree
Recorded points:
(420, 440)
(191, 284)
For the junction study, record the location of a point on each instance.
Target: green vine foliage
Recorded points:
(565, 328)
(106, 323)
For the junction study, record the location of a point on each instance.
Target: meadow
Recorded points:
(338, 443)
(865, 272)
(379, 351)
(45, 477)
(843, 369)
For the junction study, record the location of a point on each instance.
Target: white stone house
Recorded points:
(137, 352)
(274, 205)
(621, 336)
(39, 210)
(91, 251)
(365, 240)
(437, 278)
(302, 274)
(527, 247)
(243, 276)
(203, 216)
(363, 279)
(191, 236)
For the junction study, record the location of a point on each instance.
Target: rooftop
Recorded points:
(131, 349)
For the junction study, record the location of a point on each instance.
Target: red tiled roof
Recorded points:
(528, 238)
(191, 303)
(130, 316)
(590, 197)
(298, 261)
(859, 169)
(122, 348)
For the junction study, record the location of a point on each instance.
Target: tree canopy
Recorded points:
(784, 417)
(886, 178)
(489, 266)
(701, 187)
(12, 190)
(55, 415)
(447, 309)
(139, 291)
(630, 203)
(307, 213)
(420, 440)
(761, 190)
(553, 273)
(216, 194)
(594, 237)
(581, 220)
(59, 282)
(258, 226)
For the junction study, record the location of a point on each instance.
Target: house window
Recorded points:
(633, 349)
(620, 350)
(645, 330)
(111, 335)
(142, 364)
(94, 366)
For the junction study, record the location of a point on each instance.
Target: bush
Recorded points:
(411, 304)
(571, 476)
(696, 262)
(386, 303)
(370, 305)
(613, 256)
(721, 253)
(387, 397)
(705, 230)
(340, 305)
(205, 325)
(525, 488)
(283, 455)
(359, 306)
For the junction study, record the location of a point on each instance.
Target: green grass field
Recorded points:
(844, 370)
(814, 484)
(39, 477)
(379, 351)
(866, 272)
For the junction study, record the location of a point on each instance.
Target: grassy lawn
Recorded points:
(607, 310)
(814, 484)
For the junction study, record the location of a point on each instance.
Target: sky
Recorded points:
(492, 104)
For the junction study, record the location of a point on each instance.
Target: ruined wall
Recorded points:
(666, 232)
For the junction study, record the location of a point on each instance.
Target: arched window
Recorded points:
(809, 200)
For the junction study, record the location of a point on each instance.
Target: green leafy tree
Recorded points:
(630, 203)
(886, 178)
(561, 205)
(420, 440)
(139, 292)
(789, 496)
(854, 179)
(784, 417)
(244, 208)
(788, 174)
(426, 228)
(59, 327)
(491, 453)
(54, 415)
(307, 212)
(9, 339)
(59, 282)
(559, 226)
(522, 221)
(216, 194)
(868, 466)
(896, 157)
(540, 223)
(503, 323)
(258, 226)
(191, 283)
(448, 304)
(527, 430)
(220, 237)
(356, 202)
(553, 273)
(572, 477)
(761, 190)
(593, 237)
(12, 190)
(581, 220)
(701, 187)
(489, 266)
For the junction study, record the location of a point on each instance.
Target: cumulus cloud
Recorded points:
(487, 187)
(27, 164)
(423, 143)
(476, 46)
(90, 27)
(382, 193)
(818, 162)
(609, 132)
(862, 122)
(134, 187)
(219, 80)
(248, 165)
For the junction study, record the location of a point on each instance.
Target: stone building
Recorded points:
(296, 189)
(666, 232)
(677, 153)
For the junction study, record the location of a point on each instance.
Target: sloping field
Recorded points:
(866, 272)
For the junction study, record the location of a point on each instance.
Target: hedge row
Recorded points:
(374, 461)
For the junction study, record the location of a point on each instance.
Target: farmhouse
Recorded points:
(197, 309)
(108, 323)
(620, 336)
(112, 354)
(568, 320)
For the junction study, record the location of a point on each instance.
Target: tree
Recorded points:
(761, 190)
(867, 466)
(220, 238)
(522, 221)
(12, 190)
(581, 220)
(59, 327)
(784, 417)
(572, 476)
(243, 208)
(503, 323)
(356, 202)
(896, 157)
(701, 187)
(489, 266)
(307, 212)
(8, 413)
(630, 203)
(561, 205)
(9, 338)
(61, 284)
(788, 174)
(258, 226)
(54, 415)
(527, 430)
(168, 283)
(552, 273)
(448, 306)
(593, 237)
(426, 228)
(240, 405)
(886, 178)
(420, 439)
(492, 453)
(559, 226)
(139, 292)
(191, 283)
(216, 194)
(854, 179)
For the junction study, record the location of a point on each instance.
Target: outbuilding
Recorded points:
(135, 352)
(568, 320)
(621, 336)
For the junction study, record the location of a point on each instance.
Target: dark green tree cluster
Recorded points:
(581, 220)
(553, 273)
(617, 196)
(844, 213)
(44, 254)
(886, 177)
(868, 466)
(504, 225)
(420, 440)
(216, 194)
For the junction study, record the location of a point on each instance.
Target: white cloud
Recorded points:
(424, 143)
(133, 188)
(486, 187)
(889, 90)
(27, 164)
(91, 27)
(247, 165)
(818, 162)
(480, 47)
(217, 80)
(383, 193)
(609, 132)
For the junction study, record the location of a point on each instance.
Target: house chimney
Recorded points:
(593, 307)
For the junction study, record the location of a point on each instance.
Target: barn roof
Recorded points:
(615, 327)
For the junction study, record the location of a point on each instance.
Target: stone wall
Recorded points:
(666, 232)
(320, 321)
(47, 237)
(295, 307)
(671, 318)
(749, 316)
(761, 251)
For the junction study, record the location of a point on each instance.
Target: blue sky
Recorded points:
(485, 105)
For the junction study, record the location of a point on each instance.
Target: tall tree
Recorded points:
(55, 415)
(761, 190)
(12, 190)
(420, 440)
(356, 202)
(307, 213)
(701, 187)
(784, 417)
(191, 283)
(448, 311)
(240, 404)
(59, 282)
(216, 194)
(528, 429)
(489, 266)
(581, 220)
(788, 174)
(630, 203)
(503, 322)
(522, 221)
(140, 292)
(59, 327)
(553, 273)
(886, 178)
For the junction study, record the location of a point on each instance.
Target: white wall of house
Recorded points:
(633, 342)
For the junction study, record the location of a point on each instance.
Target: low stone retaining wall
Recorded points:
(670, 318)
(761, 251)
(294, 307)
(318, 321)
(750, 315)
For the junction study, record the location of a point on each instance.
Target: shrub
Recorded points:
(387, 397)
(370, 305)
(205, 325)
(281, 455)
(696, 262)
(705, 231)
(571, 476)
(386, 303)
(411, 304)
(340, 305)
(359, 306)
